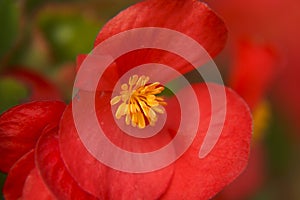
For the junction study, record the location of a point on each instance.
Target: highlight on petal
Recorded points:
(202, 178)
(189, 17)
(100, 180)
(52, 168)
(17, 176)
(35, 188)
(21, 126)
(253, 71)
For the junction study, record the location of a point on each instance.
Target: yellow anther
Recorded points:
(140, 104)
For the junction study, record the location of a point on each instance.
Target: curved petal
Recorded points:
(21, 126)
(53, 170)
(202, 178)
(251, 180)
(79, 60)
(35, 188)
(189, 17)
(17, 175)
(102, 181)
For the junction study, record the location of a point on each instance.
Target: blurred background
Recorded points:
(40, 40)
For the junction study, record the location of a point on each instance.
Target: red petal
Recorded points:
(253, 71)
(21, 126)
(202, 178)
(79, 60)
(189, 17)
(53, 170)
(40, 88)
(252, 178)
(102, 181)
(35, 188)
(17, 175)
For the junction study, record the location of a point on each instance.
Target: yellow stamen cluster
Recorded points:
(140, 104)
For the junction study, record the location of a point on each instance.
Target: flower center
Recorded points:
(140, 103)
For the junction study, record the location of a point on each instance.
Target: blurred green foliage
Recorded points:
(2, 179)
(9, 22)
(68, 33)
(11, 92)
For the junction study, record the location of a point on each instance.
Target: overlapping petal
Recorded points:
(102, 181)
(202, 178)
(35, 188)
(21, 126)
(25, 182)
(205, 177)
(17, 176)
(53, 170)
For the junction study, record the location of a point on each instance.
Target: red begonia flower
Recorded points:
(21, 126)
(105, 182)
(39, 87)
(189, 177)
(53, 170)
(205, 177)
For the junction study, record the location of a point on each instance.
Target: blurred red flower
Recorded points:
(271, 22)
